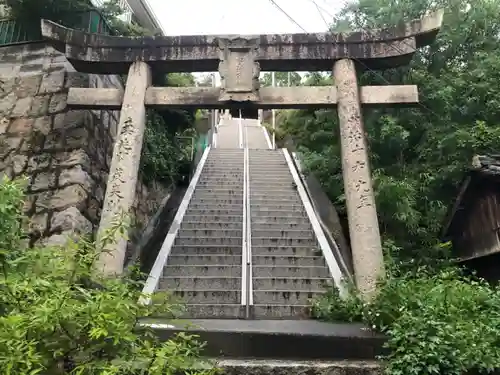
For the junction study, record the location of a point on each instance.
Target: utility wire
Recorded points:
(287, 15)
(320, 12)
(355, 59)
(380, 75)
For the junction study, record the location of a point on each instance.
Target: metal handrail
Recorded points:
(244, 248)
(161, 260)
(346, 270)
(331, 261)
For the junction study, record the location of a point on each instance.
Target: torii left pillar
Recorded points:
(124, 169)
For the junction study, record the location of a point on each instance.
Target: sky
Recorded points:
(202, 17)
(195, 17)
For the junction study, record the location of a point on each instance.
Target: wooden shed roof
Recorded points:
(482, 166)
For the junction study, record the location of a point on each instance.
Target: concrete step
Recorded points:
(270, 194)
(221, 165)
(282, 233)
(215, 191)
(259, 241)
(282, 260)
(311, 284)
(285, 297)
(298, 272)
(198, 217)
(206, 207)
(283, 225)
(272, 187)
(269, 179)
(214, 311)
(192, 250)
(284, 250)
(213, 225)
(207, 240)
(280, 339)
(262, 164)
(298, 220)
(195, 259)
(203, 270)
(219, 184)
(217, 196)
(222, 172)
(297, 367)
(271, 200)
(278, 207)
(210, 296)
(199, 283)
(233, 163)
(221, 200)
(215, 181)
(235, 175)
(278, 170)
(212, 233)
(204, 212)
(271, 311)
(277, 189)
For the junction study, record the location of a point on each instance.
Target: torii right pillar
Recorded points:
(364, 232)
(366, 245)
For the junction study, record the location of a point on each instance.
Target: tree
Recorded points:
(418, 155)
(281, 79)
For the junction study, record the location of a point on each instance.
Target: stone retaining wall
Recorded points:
(65, 154)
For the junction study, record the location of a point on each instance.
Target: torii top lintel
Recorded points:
(377, 49)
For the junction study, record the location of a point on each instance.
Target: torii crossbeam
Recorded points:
(239, 60)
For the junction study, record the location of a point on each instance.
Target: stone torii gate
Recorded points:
(239, 60)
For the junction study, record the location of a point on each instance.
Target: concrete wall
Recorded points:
(66, 154)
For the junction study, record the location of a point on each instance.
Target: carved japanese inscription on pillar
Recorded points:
(239, 69)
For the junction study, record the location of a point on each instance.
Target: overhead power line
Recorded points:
(321, 13)
(375, 72)
(321, 9)
(287, 15)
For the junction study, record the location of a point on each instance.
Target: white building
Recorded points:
(139, 11)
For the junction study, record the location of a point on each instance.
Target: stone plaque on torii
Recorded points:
(239, 60)
(239, 70)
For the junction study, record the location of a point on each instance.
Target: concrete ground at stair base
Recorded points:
(284, 339)
(293, 367)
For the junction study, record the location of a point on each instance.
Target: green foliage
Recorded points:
(71, 13)
(66, 12)
(58, 317)
(436, 323)
(165, 155)
(418, 155)
(281, 79)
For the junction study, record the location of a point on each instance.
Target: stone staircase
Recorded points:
(244, 254)
(288, 269)
(204, 265)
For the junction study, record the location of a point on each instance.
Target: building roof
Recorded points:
(482, 166)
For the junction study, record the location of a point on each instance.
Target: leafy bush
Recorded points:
(436, 322)
(58, 317)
